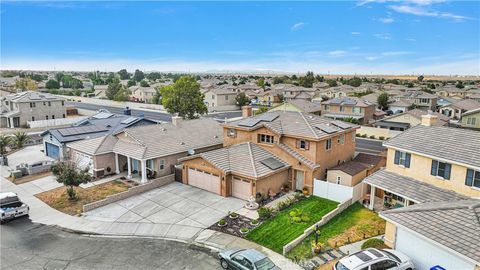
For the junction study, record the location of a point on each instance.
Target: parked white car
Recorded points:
(374, 259)
(11, 207)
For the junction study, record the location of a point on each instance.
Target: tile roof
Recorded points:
(471, 112)
(298, 156)
(30, 96)
(95, 146)
(348, 101)
(446, 143)
(453, 224)
(295, 124)
(305, 105)
(409, 188)
(369, 159)
(243, 159)
(466, 104)
(351, 167)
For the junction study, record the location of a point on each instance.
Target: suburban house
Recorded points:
(471, 119)
(348, 107)
(456, 109)
(421, 99)
(352, 172)
(444, 234)
(142, 94)
(17, 109)
(400, 106)
(216, 97)
(451, 91)
(338, 91)
(269, 98)
(147, 152)
(55, 140)
(408, 119)
(299, 105)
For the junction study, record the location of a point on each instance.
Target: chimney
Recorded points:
(127, 111)
(176, 120)
(429, 119)
(247, 111)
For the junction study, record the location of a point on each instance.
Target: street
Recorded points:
(27, 245)
(369, 146)
(149, 114)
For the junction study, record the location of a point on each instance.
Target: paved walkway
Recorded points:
(42, 213)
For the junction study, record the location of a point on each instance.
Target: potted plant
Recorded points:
(233, 215)
(305, 191)
(254, 222)
(244, 230)
(317, 247)
(222, 223)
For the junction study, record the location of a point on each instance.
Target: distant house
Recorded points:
(400, 106)
(408, 119)
(142, 94)
(348, 107)
(216, 97)
(269, 98)
(55, 140)
(299, 105)
(456, 109)
(421, 99)
(17, 109)
(471, 119)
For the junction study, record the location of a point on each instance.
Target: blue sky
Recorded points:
(363, 37)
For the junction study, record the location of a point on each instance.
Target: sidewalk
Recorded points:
(42, 213)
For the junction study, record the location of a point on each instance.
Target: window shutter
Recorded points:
(434, 167)
(407, 160)
(469, 178)
(448, 168)
(397, 157)
(307, 145)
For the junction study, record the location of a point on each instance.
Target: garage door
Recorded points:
(241, 188)
(204, 180)
(52, 150)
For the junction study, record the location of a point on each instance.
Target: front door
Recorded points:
(299, 177)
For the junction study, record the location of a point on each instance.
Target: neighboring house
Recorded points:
(147, 152)
(216, 97)
(290, 92)
(451, 91)
(456, 109)
(353, 172)
(100, 91)
(339, 91)
(308, 143)
(299, 105)
(445, 101)
(471, 119)
(400, 106)
(142, 94)
(406, 120)
(348, 107)
(421, 99)
(17, 109)
(445, 234)
(269, 98)
(55, 140)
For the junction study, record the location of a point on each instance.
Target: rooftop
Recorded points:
(348, 101)
(31, 96)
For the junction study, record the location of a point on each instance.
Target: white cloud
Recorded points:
(355, 33)
(297, 26)
(371, 58)
(337, 53)
(385, 36)
(394, 53)
(422, 11)
(387, 20)
(411, 39)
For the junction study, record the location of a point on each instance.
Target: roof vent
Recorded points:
(216, 136)
(182, 143)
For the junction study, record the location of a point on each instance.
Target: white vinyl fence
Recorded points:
(54, 122)
(336, 192)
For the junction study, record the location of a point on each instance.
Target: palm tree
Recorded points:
(19, 139)
(4, 141)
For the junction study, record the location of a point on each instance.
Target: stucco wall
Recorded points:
(201, 164)
(41, 111)
(339, 153)
(345, 179)
(473, 115)
(104, 161)
(272, 182)
(390, 233)
(378, 132)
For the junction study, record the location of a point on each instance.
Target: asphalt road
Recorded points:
(26, 245)
(369, 146)
(158, 116)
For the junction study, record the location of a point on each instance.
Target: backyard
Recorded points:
(58, 198)
(353, 224)
(278, 231)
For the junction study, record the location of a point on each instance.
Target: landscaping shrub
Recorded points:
(364, 135)
(305, 218)
(374, 243)
(381, 138)
(264, 213)
(297, 219)
(244, 230)
(222, 222)
(372, 137)
(254, 222)
(358, 135)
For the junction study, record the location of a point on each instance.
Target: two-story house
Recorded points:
(471, 119)
(421, 99)
(456, 109)
(279, 148)
(142, 94)
(348, 107)
(17, 109)
(217, 97)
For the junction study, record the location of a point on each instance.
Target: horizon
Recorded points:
(413, 37)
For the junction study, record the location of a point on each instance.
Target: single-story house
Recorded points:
(299, 105)
(471, 119)
(455, 110)
(408, 119)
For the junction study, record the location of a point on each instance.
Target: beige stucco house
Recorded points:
(471, 119)
(349, 107)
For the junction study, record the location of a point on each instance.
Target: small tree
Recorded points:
(242, 99)
(351, 120)
(420, 78)
(4, 142)
(382, 101)
(144, 83)
(71, 176)
(52, 84)
(184, 97)
(19, 139)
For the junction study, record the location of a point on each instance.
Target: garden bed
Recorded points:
(29, 178)
(281, 229)
(354, 224)
(58, 198)
(234, 225)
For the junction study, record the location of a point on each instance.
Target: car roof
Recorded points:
(252, 255)
(362, 258)
(4, 195)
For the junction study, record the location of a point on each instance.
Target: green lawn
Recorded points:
(278, 231)
(353, 223)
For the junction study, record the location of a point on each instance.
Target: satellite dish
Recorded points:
(191, 152)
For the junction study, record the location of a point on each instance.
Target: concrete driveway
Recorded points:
(174, 203)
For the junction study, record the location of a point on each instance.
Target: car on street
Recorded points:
(375, 259)
(11, 207)
(245, 259)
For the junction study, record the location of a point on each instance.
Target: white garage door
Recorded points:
(241, 188)
(425, 254)
(204, 180)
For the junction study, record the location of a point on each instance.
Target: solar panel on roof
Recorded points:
(349, 102)
(128, 120)
(268, 117)
(341, 124)
(249, 122)
(80, 130)
(272, 163)
(102, 115)
(327, 129)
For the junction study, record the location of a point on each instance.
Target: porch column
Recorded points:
(144, 171)
(117, 169)
(129, 164)
(372, 198)
(407, 202)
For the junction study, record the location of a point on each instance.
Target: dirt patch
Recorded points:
(366, 229)
(29, 178)
(58, 198)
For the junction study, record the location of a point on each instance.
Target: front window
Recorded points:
(226, 97)
(63, 103)
(263, 138)
(357, 110)
(341, 139)
(473, 178)
(232, 133)
(264, 264)
(328, 144)
(441, 169)
(327, 108)
(303, 144)
(213, 96)
(402, 158)
(162, 164)
(342, 109)
(424, 100)
(471, 121)
(49, 103)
